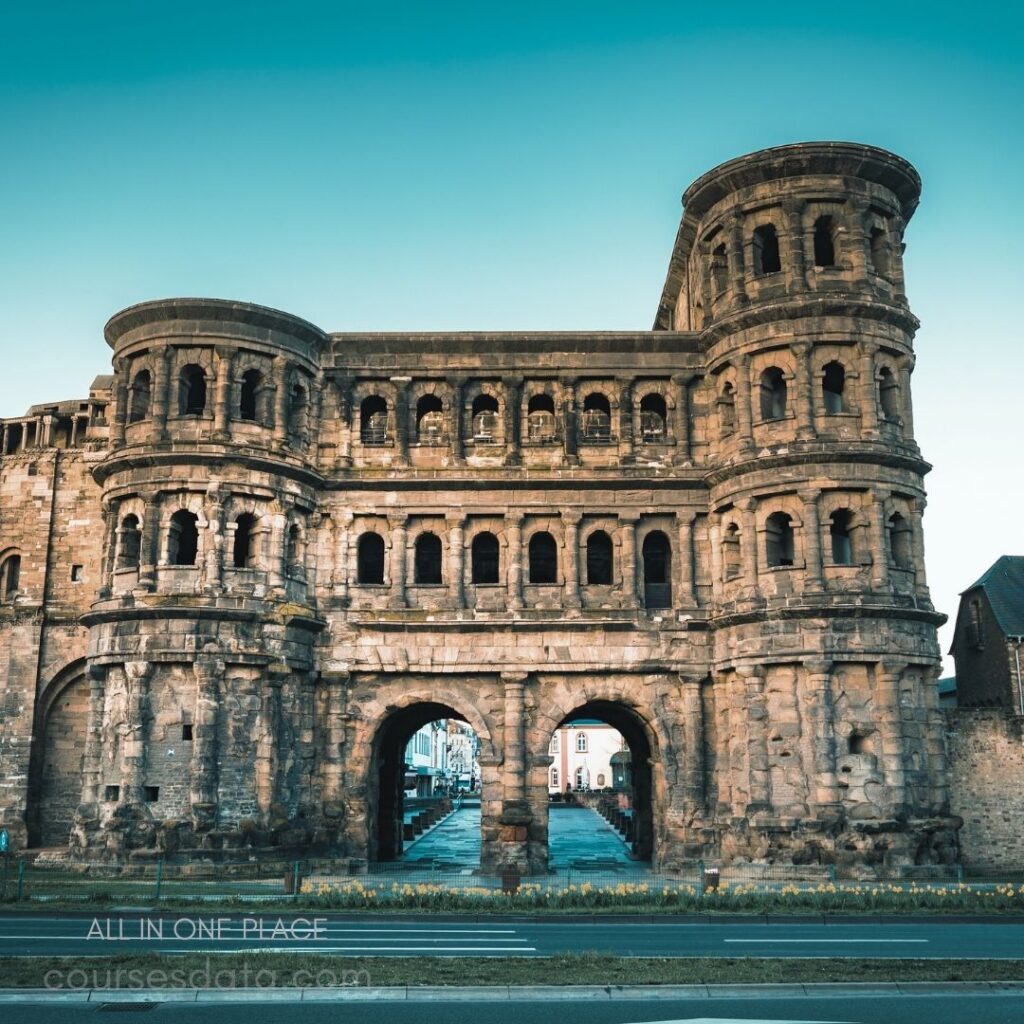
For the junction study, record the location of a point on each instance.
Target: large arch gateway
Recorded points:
(277, 551)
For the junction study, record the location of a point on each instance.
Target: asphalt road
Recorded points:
(947, 1008)
(85, 935)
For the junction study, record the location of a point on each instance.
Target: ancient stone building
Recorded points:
(242, 573)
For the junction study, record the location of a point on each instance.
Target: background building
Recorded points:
(582, 752)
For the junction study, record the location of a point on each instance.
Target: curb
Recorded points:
(511, 993)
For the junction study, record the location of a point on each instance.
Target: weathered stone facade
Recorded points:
(298, 547)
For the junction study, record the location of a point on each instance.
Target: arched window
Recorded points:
(732, 555)
(138, 407)
(597, 417)
(10, 577)
(130, 543)
(653, 419)
(244, 554)
(599, 559)
(543, 559)
(192, 390)
(553, 746)
(582, 778)
(183, 538)
(773, 394)
(879, 245)
(766, 251)
(825, 241)
(294, 550)
(540, 418)
(840, 529)
(373, 421)
(484, 557)
(298, 412)
(719, 269)
(370, 559)
(554, 779)
(901, 548)
(484, 412)
(833, 384)
(581, 743)
(252, 382)
(779, 539)
(657, 555)
(888, 395)
(427, 559)
(727, 409)
(429, 420)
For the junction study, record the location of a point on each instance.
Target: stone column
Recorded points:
(687, 592)
(92, 758)
(399, 560)
(455, 428)
(222, 401)
(803, 351)
(684, 452)
(889, 721)
(813, 580)
(627, 527)
(209, 673)
(120, 419)
(279, 373)
(275, 557)
(109, 509)
(626, 432)
(213, 544)
(691, 775)
(817, 729)
(738, 747)
(757, 739)
(906, 368)
(266, 742)
(854, 243)
(749, 542)
(161, 392)
(737, 272)
(514, 531)
(717, 569)
(133, 743)
(793, 210)
(571, 526)
(515, 815)
(868, 391)
(570, 436)
(512, 387)
(917, 541)
(341, 557)
(401, 385)
(149, 542)
(345, 426)
(744, 405)
(879, 544)
(334, 701)
(456, 560)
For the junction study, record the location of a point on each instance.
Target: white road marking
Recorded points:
(823, 941)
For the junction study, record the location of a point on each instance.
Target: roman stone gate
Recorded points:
(306, 545)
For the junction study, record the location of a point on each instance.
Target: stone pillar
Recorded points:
(92, 758)
(757, 739)
(515, 815)
(455, 428)
(133, 743)
(212, 548)
(266, 742)
(627, 527)
(456, 560)
(803, 351)
(889, 721)
(854, 243)
(109, 509)
(401, 385)
(571, 526)
(738, 748)
(793, 210)
(341, 557)
(906, 368)
(817, 729)
(276, 555)
(813, 581)
(626, 432)
(749, 542)
(279, 373)
(868, 391)
(399, 559)
(691, 775)
(346, 416)
(514, 531)
(222, 401)
(570, 435)
(513, 391)
(917, 541)
(684, 453)
(717, 569)
(117, 426)
(209, 673)
(879, 542)
(334, 692)
(737, 272)
(161, 392)
(149, 542)
(744, 405)
(687, 592)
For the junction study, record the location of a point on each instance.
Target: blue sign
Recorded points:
(5, 840)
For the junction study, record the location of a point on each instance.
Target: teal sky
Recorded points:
(507, 166)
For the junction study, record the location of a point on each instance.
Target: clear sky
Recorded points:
(502, 165)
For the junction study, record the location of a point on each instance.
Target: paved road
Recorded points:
(947, 1008)
(410, 936)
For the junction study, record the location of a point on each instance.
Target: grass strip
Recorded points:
(280, 970)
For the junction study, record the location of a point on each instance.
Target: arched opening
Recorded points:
(599, 559)
(10, 577)
(485, 559)
(183, 538)
(779, 539)
(888, 395)
(484, 415)
(192, 390)
(373, 421)
(540, 419)
(825, 241)
(138, 404)
(427, 560)
(773, 394)
(597, 417)
(901, 548)
(657, 555)
(833, 384)
(543, 554)
(840, 529)
(732, 554)
(422, 756)
(766, 251)
(370, 560)
(130, 543)
(248, 399)
(653, 419)
(602, 761)
(429, 420)
(244, 553)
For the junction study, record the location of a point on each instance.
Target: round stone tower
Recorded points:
(789, 264)
(201, 638)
